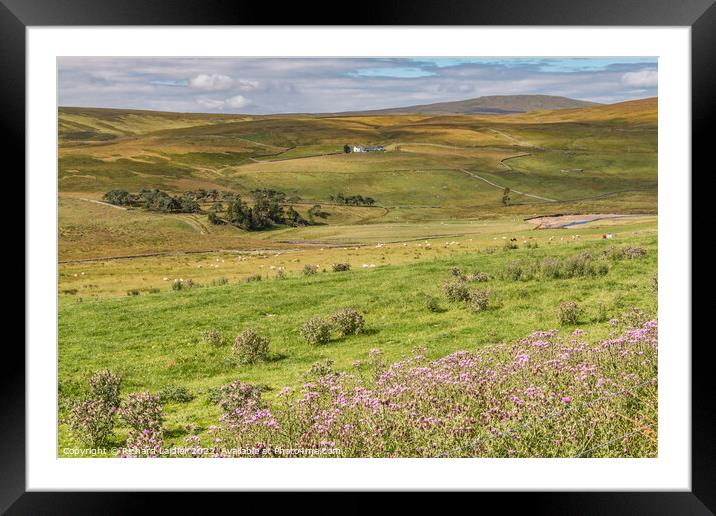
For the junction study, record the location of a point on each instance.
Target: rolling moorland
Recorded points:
(159, 298)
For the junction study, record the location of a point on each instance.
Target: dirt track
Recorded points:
(502, 187)
(103, 203)
(565, 221)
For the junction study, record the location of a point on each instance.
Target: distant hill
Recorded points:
(494, 104)
(641, 111)
(104, 124)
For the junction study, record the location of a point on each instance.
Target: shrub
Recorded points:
(583, 264)
(655, 283)
(316, 330)
(243, 412)
(310, 270)
(104, 386)
(142, 411)
(509, 393)
(480, 276)
(456, 290)
(238, 395)
(212, 337)
(579, 265)
(568, 312)
(514, 270)
(133, 292)
(631, 252)
(217, 282)
(479, 300)
(91, 421)
(531, 244)
(510, 245)
(178, 394)
(319, 369)
(455, 271)
(551, 267)
(340, 267)
(252, 278)
(143, 443)
(575, 266)
(432, 303)
(181, 284)
(192, 446)
(376, 363)
(250, 347)
(601, 314)
(280, 273)
(625, 253)
(634, 317)
(348, 321)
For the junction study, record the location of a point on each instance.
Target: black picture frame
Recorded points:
(700, 15)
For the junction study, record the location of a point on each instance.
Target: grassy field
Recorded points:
(438, 191)
(359, 245)
(435, 168)
(154, 340)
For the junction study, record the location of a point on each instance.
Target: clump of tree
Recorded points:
(213, 217)
(354, 200)
(119, 197)
(293, 218)
(154, 200)
(202, 195)
(266, 212)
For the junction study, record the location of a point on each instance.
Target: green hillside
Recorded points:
(443, 167)
(207, 309)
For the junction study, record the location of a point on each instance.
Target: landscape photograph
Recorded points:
(357, 257)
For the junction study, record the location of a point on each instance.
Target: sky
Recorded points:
(322, 85)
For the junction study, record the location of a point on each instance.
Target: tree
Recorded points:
(267, 208)
(213, 217)
(188, 204)
(239, 214)
(118, 197)
(315, 211)
(293, 218)
(506, 197)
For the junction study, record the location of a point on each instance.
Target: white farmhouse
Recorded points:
(374, 148)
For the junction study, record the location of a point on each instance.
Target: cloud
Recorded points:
(210, 103)
(220, 82)
(231, 103)
(641, 79)
(244, 85)
(325, 85)
(238, 101)
(397, 71)
(213, 82)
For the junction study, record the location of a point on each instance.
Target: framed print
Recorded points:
(413, 249)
